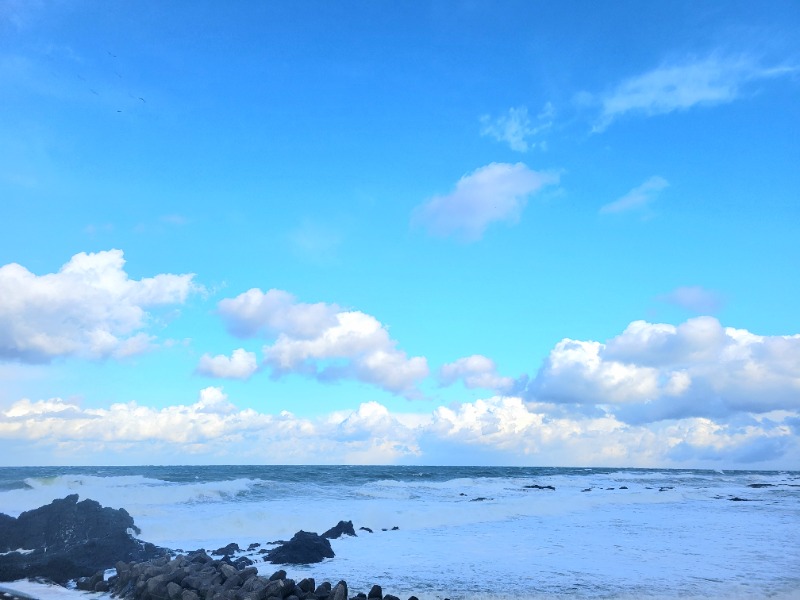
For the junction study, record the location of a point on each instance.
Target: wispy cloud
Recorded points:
(495, 193)
(516, 127)
(715, 79)
(638, 198)
(476, 371)
(694, 298)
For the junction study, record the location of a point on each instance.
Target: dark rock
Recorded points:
(665, 488)
(760, 485)
(69, 539)
(375, 592)
(587, 490)
(341, 528)
(87, 584)
(395, 528)
(360, 596)
(253, 546)
(479, 499)
(226, 550)
(365, 529)
(280, 574)
(737, 499)
(307, 585)
(413, 598)
(323, 590)
(539, 487)
(304, 548)
(623, 487)
(390, 597)
(339, 591)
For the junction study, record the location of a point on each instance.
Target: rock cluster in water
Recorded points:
(67, 539)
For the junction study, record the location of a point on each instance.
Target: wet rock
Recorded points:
(341, 528)
(367, 529)
(760, 485)
(226, 550)
(375, 592)
(539, 487)
(69, 539)
(304, 548)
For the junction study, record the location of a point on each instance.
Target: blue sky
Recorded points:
(441, 232)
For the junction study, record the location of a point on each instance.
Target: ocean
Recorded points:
(466, 532)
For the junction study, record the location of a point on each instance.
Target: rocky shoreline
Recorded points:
(68, 540)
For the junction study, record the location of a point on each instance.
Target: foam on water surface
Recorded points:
(465, 532)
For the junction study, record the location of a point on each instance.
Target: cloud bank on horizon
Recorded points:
(281, 242)
(655, 394)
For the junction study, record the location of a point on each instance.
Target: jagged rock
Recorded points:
(341, 528)
(367, 529)
(304, 548)
(69, 539)
(226, 550)
(375, 592)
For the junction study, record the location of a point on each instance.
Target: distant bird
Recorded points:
(112, 55)
(142, 99)
(94, 92)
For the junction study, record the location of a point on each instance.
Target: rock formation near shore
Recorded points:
(67, 539)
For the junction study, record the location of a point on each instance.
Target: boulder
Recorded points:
(341, 528)
(304, 548)
(67, 540)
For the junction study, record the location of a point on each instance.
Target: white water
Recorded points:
(687, 541)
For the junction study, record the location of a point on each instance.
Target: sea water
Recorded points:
(467, 532)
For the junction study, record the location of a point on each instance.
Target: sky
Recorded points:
(442, 232)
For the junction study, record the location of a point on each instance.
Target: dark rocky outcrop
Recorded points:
(536, 486)
(304, 548)
(341, 528)
(67, 540)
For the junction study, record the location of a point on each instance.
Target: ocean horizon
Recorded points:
(465, 532)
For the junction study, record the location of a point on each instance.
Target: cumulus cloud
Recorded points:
(90, 308)
(323, 341)
(671, 87)
(240, 365)
(476, 371)
(638, 198)
(658, 371)
(516, 128)
(497, 192)
(215, 430)
(694, 298)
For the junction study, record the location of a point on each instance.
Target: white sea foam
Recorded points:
(636, 534)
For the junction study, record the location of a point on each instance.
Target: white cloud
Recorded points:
(90, 308)
(516, 127)
(694, 298)
(659, 371)
(240, 365)
(476, 371)
(638, 198)
(323, 341)
(713, 80)
(497, 192)
(214, 430)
